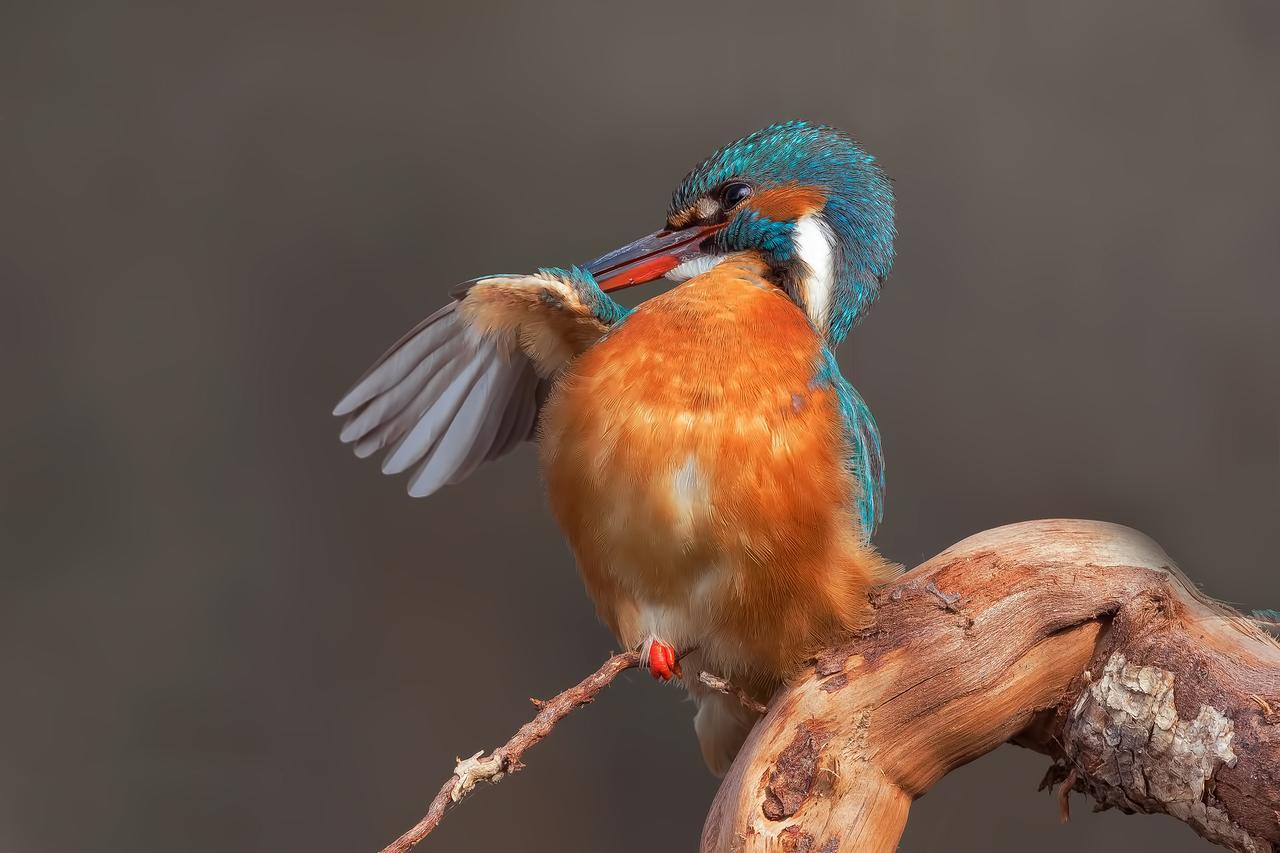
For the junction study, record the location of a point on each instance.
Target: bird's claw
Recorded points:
(660, 660)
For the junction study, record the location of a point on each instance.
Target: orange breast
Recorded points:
(695, 465)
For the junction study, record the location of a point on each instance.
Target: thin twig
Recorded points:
(720, 685)
(1269, 714)
(1064, 796)
(506, 758)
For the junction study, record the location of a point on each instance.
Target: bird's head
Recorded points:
(813, 204)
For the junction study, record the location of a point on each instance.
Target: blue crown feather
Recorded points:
(858, 210)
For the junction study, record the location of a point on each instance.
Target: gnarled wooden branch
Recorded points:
(1077, 639)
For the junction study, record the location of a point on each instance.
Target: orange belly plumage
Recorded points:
(696, 469)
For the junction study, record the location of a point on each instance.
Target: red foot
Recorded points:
(662, 661)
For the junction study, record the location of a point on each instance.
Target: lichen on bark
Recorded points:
(1131, 751)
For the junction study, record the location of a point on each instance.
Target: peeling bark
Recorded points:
(1144, 758)
(1077, 639)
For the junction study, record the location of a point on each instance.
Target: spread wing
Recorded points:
(443, 401)
(464, 385)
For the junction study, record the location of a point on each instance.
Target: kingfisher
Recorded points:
(717, 477)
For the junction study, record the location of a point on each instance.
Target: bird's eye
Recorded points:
(733, 194)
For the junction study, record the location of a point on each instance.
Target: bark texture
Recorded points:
(1078, 639)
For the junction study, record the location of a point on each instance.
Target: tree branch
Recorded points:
(1076, 639)
(506, 758)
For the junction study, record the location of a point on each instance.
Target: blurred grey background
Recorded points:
(222, 632)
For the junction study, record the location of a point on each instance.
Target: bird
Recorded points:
(716, 476)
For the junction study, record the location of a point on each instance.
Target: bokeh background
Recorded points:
(220, 631)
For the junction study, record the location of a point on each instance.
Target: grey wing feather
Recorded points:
(443, 400)
(509, 428)
(472, 427)
(526, 426)
(404, 355)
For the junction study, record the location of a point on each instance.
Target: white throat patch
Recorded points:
(814, 244)
(696, 265)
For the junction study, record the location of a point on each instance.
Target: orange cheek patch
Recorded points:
(784, 204)
(682, 219)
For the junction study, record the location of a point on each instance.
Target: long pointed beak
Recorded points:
(651, 257)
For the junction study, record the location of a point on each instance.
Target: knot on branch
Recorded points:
(793, 776)
(474, 770)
